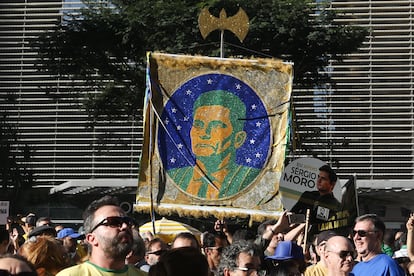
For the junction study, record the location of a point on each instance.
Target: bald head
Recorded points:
(338, 243)
(339, 255)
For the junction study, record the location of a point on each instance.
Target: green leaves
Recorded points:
(106, 46)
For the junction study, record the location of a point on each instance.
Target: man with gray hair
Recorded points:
(240, 258)
(368, 235)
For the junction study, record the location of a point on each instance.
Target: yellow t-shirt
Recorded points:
(317, 270)
(90, 269)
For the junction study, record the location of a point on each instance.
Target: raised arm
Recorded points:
(410, 236)
(221, 226)
(281, 226)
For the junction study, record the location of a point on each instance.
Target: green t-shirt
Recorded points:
(90, 269)
(387, 249)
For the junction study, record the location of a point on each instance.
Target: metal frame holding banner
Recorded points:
(215, 134)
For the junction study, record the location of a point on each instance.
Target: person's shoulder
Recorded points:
(390, 264)
(385, 257)
(133, 271)
(317, 269)
(385, 260)
(313, 194)
(180, 169)
(145, 267)
(181, 175)
(179, 172)
(243, 174)
(75, 270)
(331, 200)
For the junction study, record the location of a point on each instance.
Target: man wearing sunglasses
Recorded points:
(368, 234)
(213, 245)
(339, 256)
(320, 268)
(155, 248)
(109, 237)
(241, 258)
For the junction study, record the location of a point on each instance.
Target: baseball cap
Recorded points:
(287, 250)
(68, 232)
(324, 236)
(42, 230)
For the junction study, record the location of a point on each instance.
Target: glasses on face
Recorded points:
(344, 253)
(219, 249)
(251, 271)
(362, 233)
(113, 222)
(4, 272)
(158, 252)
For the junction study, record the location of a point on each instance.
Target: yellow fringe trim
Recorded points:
(218, 214)
(183, 62)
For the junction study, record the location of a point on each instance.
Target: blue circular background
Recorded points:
(174, 143)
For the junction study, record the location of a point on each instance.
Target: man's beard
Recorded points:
(116, 248)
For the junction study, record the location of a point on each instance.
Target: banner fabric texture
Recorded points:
(215, 134)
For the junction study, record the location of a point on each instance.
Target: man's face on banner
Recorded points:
(211, 133)
(324, 184)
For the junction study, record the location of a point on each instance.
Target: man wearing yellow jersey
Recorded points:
(109, 237)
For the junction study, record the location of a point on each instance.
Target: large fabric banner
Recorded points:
(215, 134)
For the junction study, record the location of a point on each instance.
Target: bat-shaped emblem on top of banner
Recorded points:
(237, 24)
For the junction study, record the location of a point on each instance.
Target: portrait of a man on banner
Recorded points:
(225, 154)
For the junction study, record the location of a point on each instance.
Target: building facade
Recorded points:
(49, 120)
(55, 141)
(364, 121)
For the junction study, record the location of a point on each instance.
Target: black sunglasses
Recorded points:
(344, 253)
(362, 233)
(158, 252)
(4, 272)
(113, 222)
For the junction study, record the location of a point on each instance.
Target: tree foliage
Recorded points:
(110, 41)
(13, 152)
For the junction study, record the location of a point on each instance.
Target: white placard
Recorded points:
(300, 176)
(4, 212)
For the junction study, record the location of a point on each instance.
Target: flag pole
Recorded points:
(356, 193)
(305, 240)
(150, 113)
(151, 119)
(222, 44)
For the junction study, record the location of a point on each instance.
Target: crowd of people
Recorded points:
(111, 244)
